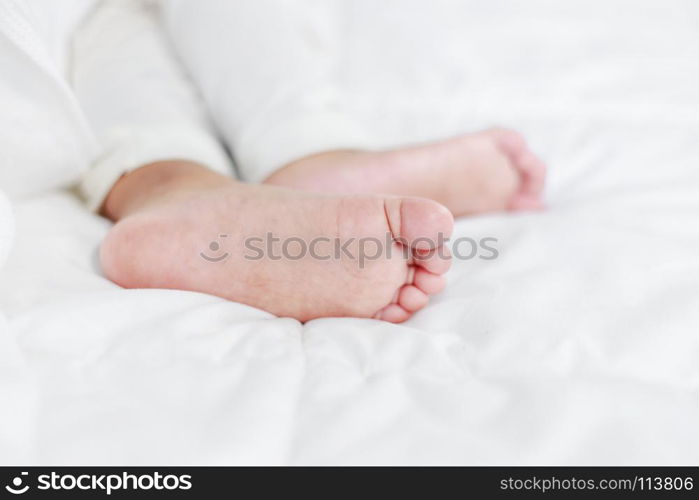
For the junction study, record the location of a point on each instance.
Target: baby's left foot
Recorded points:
(487, 171)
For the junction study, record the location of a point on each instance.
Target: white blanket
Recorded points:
(578, 345)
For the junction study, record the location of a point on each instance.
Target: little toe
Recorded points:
(393, 313)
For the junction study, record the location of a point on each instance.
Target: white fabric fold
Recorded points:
(140, 103)
(6, 228)
(268, 71)
(46, 141)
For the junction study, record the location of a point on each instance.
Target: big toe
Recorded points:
(511, 142)
(530, 168)
(419, 223)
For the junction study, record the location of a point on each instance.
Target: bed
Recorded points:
(579, 344)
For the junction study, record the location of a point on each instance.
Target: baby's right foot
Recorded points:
(487, 171)
(167, 245)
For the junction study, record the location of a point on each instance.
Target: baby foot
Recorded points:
(161, 247)
(488, 171)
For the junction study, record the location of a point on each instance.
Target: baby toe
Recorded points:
(393, 313)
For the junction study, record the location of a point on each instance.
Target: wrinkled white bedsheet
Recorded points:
(578, 345)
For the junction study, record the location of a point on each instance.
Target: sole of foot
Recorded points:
(216, 241)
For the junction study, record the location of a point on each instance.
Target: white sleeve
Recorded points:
(136, 97)
(268, 71)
